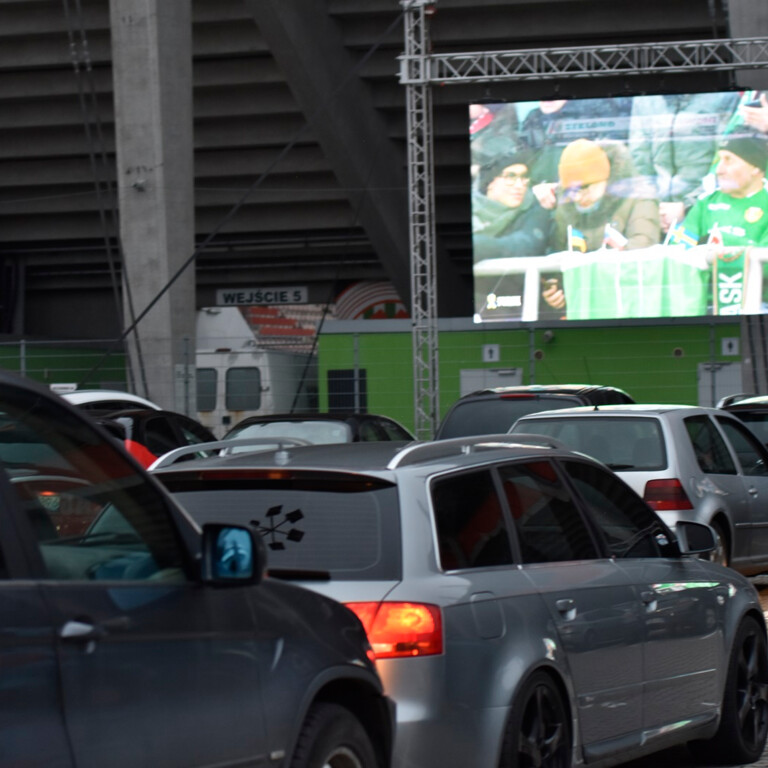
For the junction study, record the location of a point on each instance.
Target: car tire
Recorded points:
(539, 728)
(332, 737)
(744, 722)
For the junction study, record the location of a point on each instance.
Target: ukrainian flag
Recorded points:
(682, 236)
(576, 241)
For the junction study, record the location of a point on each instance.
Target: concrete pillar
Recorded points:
(152, 73)
(749, 18)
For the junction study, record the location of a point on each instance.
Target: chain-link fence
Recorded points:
(368, 366)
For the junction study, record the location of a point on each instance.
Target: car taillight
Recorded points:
(666, 494)
(398, 630)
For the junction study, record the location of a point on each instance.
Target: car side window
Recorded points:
(629, 527)
(548, 524)
(91, 515)
(159, 436)
(471, 530)
(368, 431)
(708, 446)
(746, 447)
(393, 431)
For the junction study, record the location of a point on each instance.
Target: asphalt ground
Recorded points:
(679, 757)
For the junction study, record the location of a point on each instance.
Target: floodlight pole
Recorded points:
(421, 218)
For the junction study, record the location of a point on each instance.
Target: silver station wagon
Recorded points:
(688, 463)
(525, 606)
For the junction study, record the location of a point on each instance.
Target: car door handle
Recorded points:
(83, 633)
(753, 491)
(565, 605)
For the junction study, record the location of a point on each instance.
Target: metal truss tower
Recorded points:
(421, 217)
(419, 69)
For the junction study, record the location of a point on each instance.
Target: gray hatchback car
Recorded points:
(131, 637)
(525, 606)
(688, 463)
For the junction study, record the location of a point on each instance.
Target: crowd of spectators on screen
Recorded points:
(619, 173)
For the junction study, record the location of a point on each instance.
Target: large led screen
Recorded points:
(642, 206)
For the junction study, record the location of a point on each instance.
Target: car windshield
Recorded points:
(313, 431)
(349, 528)
(497, 415)
(626, 443)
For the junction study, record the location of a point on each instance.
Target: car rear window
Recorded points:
(314, 431)
(632, 444)
(349, 529)
(497, 415)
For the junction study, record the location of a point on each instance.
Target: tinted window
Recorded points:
(708, 446)
(750, 453)
(193, 432)
(623, 443)
(757, 422)
(393, 431)
(497, 415)
(92, 516)
(159, 435)
(629, 527)
(549, 526)
(349, 528)
(206, 389)
(471, 531)
(368, 432)
(243, 389)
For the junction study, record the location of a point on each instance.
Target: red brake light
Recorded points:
(666, 494)
(399, 630)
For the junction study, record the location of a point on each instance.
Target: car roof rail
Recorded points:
(224, 448)
(416, 453)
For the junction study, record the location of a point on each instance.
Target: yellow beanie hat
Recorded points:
(583, 162)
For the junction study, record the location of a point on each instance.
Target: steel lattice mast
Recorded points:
(421, 220)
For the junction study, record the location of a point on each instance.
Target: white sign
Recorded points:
(491, 353)
(235, 297)
(729, 346)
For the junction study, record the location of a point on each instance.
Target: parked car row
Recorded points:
(486, 600)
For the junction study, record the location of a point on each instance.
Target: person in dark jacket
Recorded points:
(506, 217)
(507, 221)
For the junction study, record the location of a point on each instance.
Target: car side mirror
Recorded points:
(231, 555)
(695, 538)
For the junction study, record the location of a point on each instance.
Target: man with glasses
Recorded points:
(600, 197)
(506, 217)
